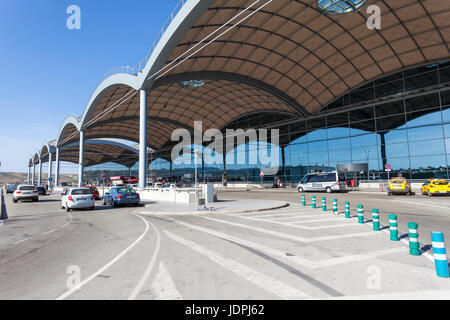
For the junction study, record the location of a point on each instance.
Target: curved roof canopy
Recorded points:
(221, 60)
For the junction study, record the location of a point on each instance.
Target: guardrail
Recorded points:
(141, 64)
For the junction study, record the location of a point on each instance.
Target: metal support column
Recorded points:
(57, 168)
(40, 173)
(81, 161)
(143, 140)
(50, 169)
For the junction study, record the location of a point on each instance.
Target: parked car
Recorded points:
(121, 196)
(95, 192)
(434, 187)
(78, 198)
(323, 181)
(25, 192)
(41, 190)
(399, 186)
(10, 188)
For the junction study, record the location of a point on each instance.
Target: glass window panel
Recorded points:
(364, 140)
(388, 89)
(338, 132)
(445, 96)
(391, 123)
(362, 127)
(362, 154)
(338, 144)
(425, 133)
(361, 114)
(298, 154)
(297, 127)
(444, 73)
(391, 78)
(397, 150)
(317, 135)
(423, 148)
(399, 164)
(447, 130)
(422, 102)
(424, 77)
(388, 109)
(446, 114)
(396, 136)
(338, 120)
(419, 119)
(340, 156)
(362, 95)
(317, 146)
(429, 162)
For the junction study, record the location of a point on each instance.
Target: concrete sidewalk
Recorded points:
(222, 207)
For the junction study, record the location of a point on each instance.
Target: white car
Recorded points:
(25, 192)
(78, 198)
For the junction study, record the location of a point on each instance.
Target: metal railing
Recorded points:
(135, 70)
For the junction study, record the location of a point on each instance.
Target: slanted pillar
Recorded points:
(143, 140)
(50, 168)
(34, 173)
(29, 174)
(40, 173)
(283, 160)
(57, 168)
(81, 161)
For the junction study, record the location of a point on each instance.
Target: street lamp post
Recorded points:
(195, 165)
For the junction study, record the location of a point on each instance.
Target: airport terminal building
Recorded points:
(338, 89)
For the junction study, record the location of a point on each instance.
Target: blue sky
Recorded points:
(48, 71)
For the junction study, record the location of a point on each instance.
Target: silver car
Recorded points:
(25, 192)
(78, 198)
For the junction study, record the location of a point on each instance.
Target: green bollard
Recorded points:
(347, 210)
(393, 224)
(313, 200)
(335, 206)
(361, 214)
(303, 200)
(414, 245)
(324, 204)
(376, 219)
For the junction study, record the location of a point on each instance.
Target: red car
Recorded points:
(95, 192)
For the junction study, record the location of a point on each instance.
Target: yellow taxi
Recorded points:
(435, 187)
(399, 186)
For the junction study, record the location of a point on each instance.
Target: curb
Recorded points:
(214, 212)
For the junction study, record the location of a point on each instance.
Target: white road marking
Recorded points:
(422, 204)
(289, 236)
(149, 269)
(66, 225)
(406, 242)
(294, 259)
(108, 265)
(22, 241)
(296, 217)
(48, 232)
(163, 286)
(306, 227)
(267, 283)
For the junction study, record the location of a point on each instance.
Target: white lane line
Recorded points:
(22, 241)
(294, 259)
(163, 286)
(149, 269)
(66, 225)
(265, 282)
(108, 265)
(422, 204)
(306, 227)
(48, 232)
(289, 236)
(296, 217)
(406, 242)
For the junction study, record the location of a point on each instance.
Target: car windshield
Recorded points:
(440, 183)
(398, 181)
(26, 188)
(78, 192)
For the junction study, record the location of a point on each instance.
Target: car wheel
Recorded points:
(301, 190)
(113, 204)
(67, 208)
(409, 193)
(430, 194)
(328, 190)
(15, 201)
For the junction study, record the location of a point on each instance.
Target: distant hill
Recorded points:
(13, 177)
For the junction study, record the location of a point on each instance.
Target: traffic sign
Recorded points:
(388, 166)
(262, 174)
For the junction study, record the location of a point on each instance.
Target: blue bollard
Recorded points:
(440, 254)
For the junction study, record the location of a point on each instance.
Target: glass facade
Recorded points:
(402, 119)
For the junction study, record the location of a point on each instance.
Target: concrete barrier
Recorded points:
(3, 214)
(176, 196)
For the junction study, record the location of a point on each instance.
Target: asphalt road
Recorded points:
(131, 253)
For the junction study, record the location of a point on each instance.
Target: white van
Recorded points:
(324, 181)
